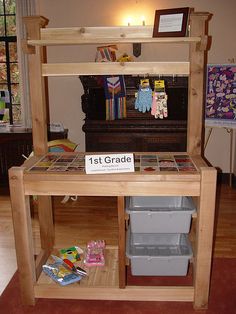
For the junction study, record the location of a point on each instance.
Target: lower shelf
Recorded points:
(97, 276)
(102, 283)
(130, 293)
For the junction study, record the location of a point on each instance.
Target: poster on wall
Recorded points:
(221, 95)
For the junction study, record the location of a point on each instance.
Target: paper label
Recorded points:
(109, 163)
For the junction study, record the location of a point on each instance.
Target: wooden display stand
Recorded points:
(200, 184)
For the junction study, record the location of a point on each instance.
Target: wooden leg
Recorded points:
(23, 235)
(46, 222)
(204, 237)
(121, 248)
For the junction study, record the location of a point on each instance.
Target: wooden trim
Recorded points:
(41, 259)
(100, 41)
(101, 188)
(130, 293)
(196, 85)
(121, 241)
(40, 119)
(23, 235)
(103, 35)
(37, 86)
(122, 68)
(164, 176)
(204, 237)
(46, 225)
(31, 21)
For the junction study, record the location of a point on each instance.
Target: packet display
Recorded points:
(60, 274)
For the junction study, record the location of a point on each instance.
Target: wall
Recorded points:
(65, 93)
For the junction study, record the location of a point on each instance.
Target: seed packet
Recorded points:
(71, 253)
(60, 274)
(95, 253)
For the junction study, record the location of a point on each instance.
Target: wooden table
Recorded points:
(200, 184)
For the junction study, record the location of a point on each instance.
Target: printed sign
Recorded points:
(111, 163)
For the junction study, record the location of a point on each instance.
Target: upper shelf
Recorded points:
(115, 68)
(104, 35)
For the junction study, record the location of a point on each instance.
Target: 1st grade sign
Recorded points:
(111, 163)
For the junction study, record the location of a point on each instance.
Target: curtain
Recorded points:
(24, 8)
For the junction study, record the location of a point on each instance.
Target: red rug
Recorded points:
(222, 299)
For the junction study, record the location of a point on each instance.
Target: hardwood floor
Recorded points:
(76, 222)
(225, 222)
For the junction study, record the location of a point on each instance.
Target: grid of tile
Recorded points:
(75, 162)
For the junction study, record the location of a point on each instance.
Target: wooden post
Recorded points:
(37, 85)
(196, 83)
(121, 243)
(39, 110)
(47, 232)
(23, 235)
(204, 237)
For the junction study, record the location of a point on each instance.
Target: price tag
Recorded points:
(110, 163)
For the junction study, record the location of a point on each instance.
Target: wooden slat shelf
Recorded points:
(104, 35)
(97, 276)
(93, 41)
(127, 68)
(103, 283)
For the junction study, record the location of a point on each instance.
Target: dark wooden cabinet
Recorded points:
(139, 131)
(14, 144)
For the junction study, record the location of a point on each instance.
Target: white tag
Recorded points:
(56, 127)
(110, 163)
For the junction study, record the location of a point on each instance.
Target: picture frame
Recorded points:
(171, 22)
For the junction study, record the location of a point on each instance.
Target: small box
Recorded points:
(158, 254)
(160, 214)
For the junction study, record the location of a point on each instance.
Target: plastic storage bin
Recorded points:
(158, 254)
(160, 214)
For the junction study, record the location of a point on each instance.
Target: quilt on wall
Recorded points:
(221, 94)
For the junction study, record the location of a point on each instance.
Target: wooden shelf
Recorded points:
(94, 40)
(104, 276)
(128, 68)
(104, 35)
(103, 283)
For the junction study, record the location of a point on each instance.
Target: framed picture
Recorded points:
(171, 22)
(220, 107)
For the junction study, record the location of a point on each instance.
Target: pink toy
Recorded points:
(95, 253)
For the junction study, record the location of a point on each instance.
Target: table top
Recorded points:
(155, 174)
(143, 163)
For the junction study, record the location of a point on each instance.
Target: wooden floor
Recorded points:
(88, 218)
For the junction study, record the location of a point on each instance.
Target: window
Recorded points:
(9, 71)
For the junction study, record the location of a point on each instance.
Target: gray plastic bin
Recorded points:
(158, 254)
(160, 214)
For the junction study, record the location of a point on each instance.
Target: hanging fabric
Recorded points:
(106, 53)
(114, 87)
(159, 101)
(143, 101)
